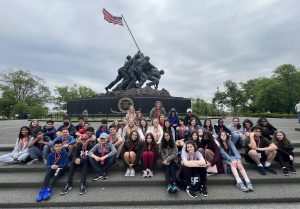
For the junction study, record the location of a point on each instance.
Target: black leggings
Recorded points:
(283, 156)
(196, 172)
(84, 165)
(170, 172)
(52, 176)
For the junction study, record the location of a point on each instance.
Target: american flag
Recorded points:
(112, 19)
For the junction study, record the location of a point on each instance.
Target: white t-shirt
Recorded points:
(297, 107)
(185, 155)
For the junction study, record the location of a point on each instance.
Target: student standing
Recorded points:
(157, 110)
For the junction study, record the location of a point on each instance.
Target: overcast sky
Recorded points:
(200, 44)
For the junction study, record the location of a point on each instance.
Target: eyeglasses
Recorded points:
(263, 121)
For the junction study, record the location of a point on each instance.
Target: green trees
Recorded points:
(201, 107)
(277, 94)
(66, 93)
(22, 92)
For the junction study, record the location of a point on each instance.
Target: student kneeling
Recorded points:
(80, 160)
(194, 166)
(57, 164)
(102, 156)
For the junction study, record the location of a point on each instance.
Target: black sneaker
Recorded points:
(261, 170)
(292, 169)
(82, 189)
(271, 170)
(285, 171)
(191, 193)
(66, 189)
(104, 176)
(97, 177)
(203, 191)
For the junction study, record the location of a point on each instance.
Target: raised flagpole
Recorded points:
(137, 46)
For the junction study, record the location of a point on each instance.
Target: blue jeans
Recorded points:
(100, 169)
(235, 138)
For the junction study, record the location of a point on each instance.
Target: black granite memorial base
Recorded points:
(104, 104)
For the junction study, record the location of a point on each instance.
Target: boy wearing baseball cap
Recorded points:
(102, 156)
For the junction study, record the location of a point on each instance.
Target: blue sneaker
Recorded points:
(40, 197)
(175, 188)
(169, 188)
(47, 194)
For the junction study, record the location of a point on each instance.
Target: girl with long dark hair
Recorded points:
(149, 155)
(232, 158)
(168, 153)
(132, 150)
(20, 152)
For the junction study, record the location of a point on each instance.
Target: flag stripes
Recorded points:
(112, 19)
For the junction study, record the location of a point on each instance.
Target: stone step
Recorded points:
(27, 179)
(10, 147)
(40, 167)
(150, 195)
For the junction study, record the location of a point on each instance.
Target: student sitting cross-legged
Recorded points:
(80, 160)
(102, 157)
(57, 164)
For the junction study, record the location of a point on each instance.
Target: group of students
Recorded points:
(187, 150)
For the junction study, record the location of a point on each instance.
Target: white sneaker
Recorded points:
(128, 171)
(33, 161)
(150, 174)
(145, 174)
(132, 172)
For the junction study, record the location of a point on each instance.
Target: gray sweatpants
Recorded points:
(37, 153)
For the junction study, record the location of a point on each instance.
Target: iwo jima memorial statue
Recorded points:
(130, 87)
